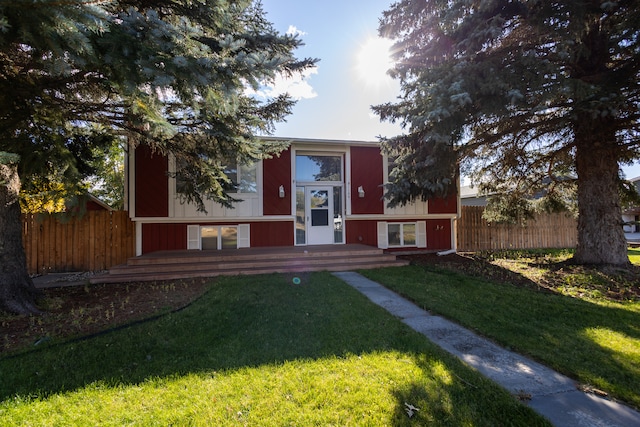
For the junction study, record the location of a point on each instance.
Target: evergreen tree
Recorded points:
(77, 74)
(530, 97)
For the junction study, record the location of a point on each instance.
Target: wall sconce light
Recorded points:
(281, 191)
(361, 192)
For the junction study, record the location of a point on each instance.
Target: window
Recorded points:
(301, 231)
(219, 237)
(391, 164)
(315, 168)
(243, 177)
(401, 234)
(338, 230)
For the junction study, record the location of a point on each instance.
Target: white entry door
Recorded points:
(320, 221)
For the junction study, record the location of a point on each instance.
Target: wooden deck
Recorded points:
(166, 265)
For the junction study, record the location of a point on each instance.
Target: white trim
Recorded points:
(315, 142)
(293, 186)
(194, 240)
(214, 220)
(383, 235)
(244, 236)
(171, 166)
(454, 233)
(398, 218)
(421, 234)
(127, 168)
(138, 238)
(132, 184)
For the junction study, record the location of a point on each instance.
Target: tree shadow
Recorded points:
(240, 323)
(455, 401)
(571, 334)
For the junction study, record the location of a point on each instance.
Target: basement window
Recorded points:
(217, 237)
(220, 237)
(402, 234)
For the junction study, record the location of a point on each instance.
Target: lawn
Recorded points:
(583, 322)
(259, 350)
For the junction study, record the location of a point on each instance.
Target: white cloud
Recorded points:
(294, 31)
(297, 86)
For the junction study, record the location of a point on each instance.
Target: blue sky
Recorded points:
(334, 100)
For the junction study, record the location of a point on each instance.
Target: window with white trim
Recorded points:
(244, 177)
(216, 237)
(219, 237)
(402, 234)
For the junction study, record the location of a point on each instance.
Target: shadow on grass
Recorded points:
(464, 403)
(597, 344)
(250, 322)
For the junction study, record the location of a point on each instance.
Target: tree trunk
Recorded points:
(17, 292)
(601, 237)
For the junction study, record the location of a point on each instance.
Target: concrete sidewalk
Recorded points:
(553, 395)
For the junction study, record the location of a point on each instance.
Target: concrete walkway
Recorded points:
(553, 395)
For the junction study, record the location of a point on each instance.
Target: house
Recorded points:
(469, 196)
(95, 204)
(317, 192)
(631, 216)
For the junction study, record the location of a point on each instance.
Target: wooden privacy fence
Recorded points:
(474, 233)
(93, 242)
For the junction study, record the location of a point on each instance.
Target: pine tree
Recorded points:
(75, 75)
(529, 97)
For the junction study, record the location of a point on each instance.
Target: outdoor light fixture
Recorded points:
(281, 191)
(361, 192)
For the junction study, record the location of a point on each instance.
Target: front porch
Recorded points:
(168, 265)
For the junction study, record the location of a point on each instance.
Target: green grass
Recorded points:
(634, 256)
(594, 340)
(257, 351)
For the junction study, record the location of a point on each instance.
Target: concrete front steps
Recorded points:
(169, 265)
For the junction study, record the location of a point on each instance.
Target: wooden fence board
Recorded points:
(474, 233)
(96, 241)
(102, 239)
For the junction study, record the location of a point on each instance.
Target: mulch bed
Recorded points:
(80, 310)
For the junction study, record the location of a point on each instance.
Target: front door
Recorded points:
(320, 218)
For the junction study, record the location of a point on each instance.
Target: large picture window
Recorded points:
(244, 178)
(318, 168)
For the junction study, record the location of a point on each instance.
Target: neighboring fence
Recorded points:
(544, 231)
(93, 242)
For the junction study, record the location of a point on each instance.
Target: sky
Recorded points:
(334, 99)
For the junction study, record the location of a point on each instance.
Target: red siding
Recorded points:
(151, 183)
(438, 234)
(444, 206)
(161, 237)
(364, 232)
(366, 171)
(276, 172)
(271, 234)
